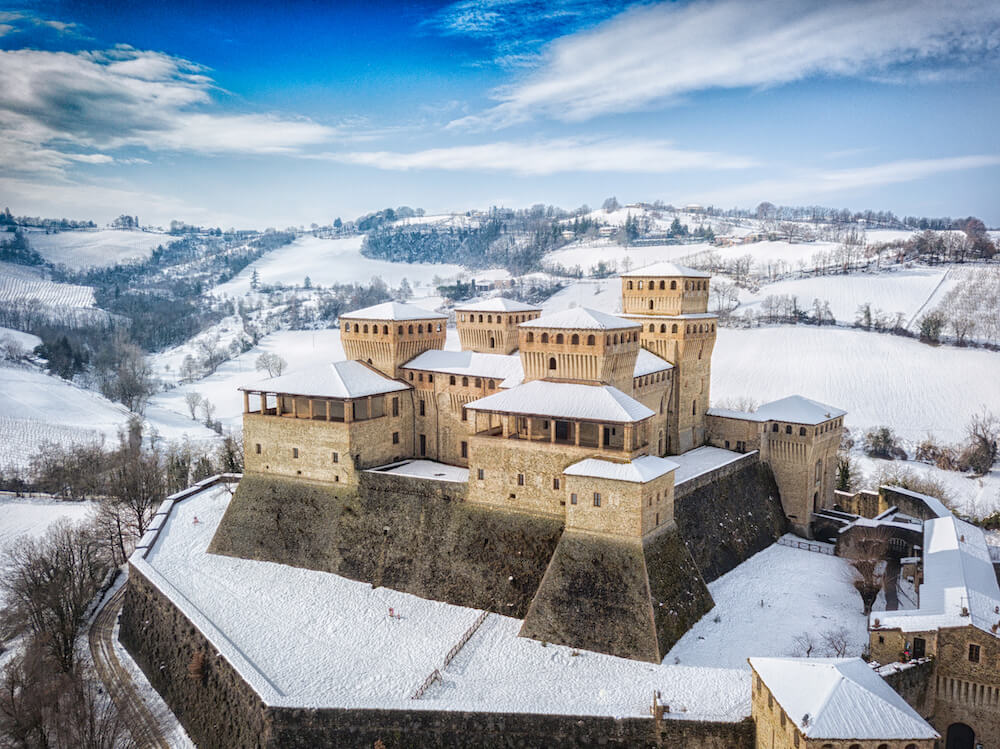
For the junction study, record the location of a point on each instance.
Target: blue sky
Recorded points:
(259, 114)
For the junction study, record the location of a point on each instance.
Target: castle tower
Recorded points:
(490, 326)
(670, 302)
(580, 345)
(390, 334)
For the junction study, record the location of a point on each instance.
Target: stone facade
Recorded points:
(490, 332)
(580, 355)
(619, 508)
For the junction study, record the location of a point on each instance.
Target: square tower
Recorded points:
(580, 345)
(670, 302)
(490, 326)
(390, 334)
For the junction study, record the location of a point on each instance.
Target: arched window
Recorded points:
(694, 408)
(491, 384)
(591, 340)
(652, 328)
(410, 330)
(465, 382)
(630, 284)
(347, 327)
(640, 285)
(530, 338)
(663, 285)
(788, 428)
(886, 746)
(479, 382)
(774, 427)
(439, 328)
(365, 329)
(663, 328)
(673, 286)
(552, 362)
(663, 402)
(374, 329)
(400, 331)
(480, 318)
(385, 330)
(614, 338)
(420, 329)
(559, 337)
(575, 340)
(545, 337)
(802, 431)
(499, 320)
(493, 342)
(651, 304)
(411, 376)
(673, 328)
(451, 380)
(462, 317)
(489, 318)
(652, 284)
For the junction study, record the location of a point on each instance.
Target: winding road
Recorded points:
(145, 728)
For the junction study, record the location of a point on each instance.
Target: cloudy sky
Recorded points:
(260, 114)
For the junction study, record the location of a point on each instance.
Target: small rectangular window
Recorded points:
(295, 452)
(597, 499)
(422, 409)
(555, 483)
(974, 653)
(395, 438)
(572, 499)
(257, 448)
(465, 449)
(336, 457)
(395, 406)
(520, 479)
(480, 474)
(465, 415)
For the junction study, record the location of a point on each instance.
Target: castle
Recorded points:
(570, 415)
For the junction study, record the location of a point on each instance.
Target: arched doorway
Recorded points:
(960, 736)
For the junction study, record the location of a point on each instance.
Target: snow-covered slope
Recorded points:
(330, 261)
(15, 289)
(81, 249)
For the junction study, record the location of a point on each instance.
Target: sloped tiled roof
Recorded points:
(393, 311)
(343, 379)
(565, 400)
(580, 318)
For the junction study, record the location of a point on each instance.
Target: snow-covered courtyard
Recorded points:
(306, 638)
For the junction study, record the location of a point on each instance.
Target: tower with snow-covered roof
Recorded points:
(390, 334)
(670, 303)
(490, 326)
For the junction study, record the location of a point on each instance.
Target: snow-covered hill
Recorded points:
(82, 249)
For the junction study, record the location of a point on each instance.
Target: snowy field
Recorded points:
(906, 291)
(82, 249)
(17, 289)
(39, 408)
(305, 638)
(879, 379)
(26, 341)
(330, 261)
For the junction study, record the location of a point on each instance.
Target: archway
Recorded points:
(960, 736)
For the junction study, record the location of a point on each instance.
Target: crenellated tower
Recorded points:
(390, 334)
(490, 326)
(670, 303)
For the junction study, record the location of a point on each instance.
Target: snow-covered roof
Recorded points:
(798, 410)
(933, 504)
(667, 270)
(840, 698)
(497, 304)
(958, 576)
(580, 318)
(728, 413)
(639, 471)
(393, 311)
(647, 362)
(680, 316)
(342, 379)
(565, 400)
(468, 363)
(701, 460)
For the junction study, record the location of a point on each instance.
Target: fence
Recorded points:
(807, 546)
(435, 675)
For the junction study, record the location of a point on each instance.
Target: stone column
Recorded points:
(246, 402)
(576, 433)
(505, 425)
(295, 407)
(327, 409)
(629, 443)
(369, 405)
(348, 411)
(277, 403)
(311, 410)
(529, 421)
(552, 430)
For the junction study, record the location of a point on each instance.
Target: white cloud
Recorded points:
(549, 157)
(808, 186)
(57, 108)
(654, 54)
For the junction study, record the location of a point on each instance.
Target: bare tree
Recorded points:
(983, 432)
(193, 400)
(208, 409)
(49, 583)
(272, 363)
(836, 642)
(136, 482)
(866, 548)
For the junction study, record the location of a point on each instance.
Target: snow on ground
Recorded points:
(331, 261)
(429, 469)
(82, 249)
(905, 290)
(26, 341)
(878, 379)
(302, 349)
(14, 289)
(802, 591)
(589, 253)
(604, 295)
(306, 638)
(39, 407)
